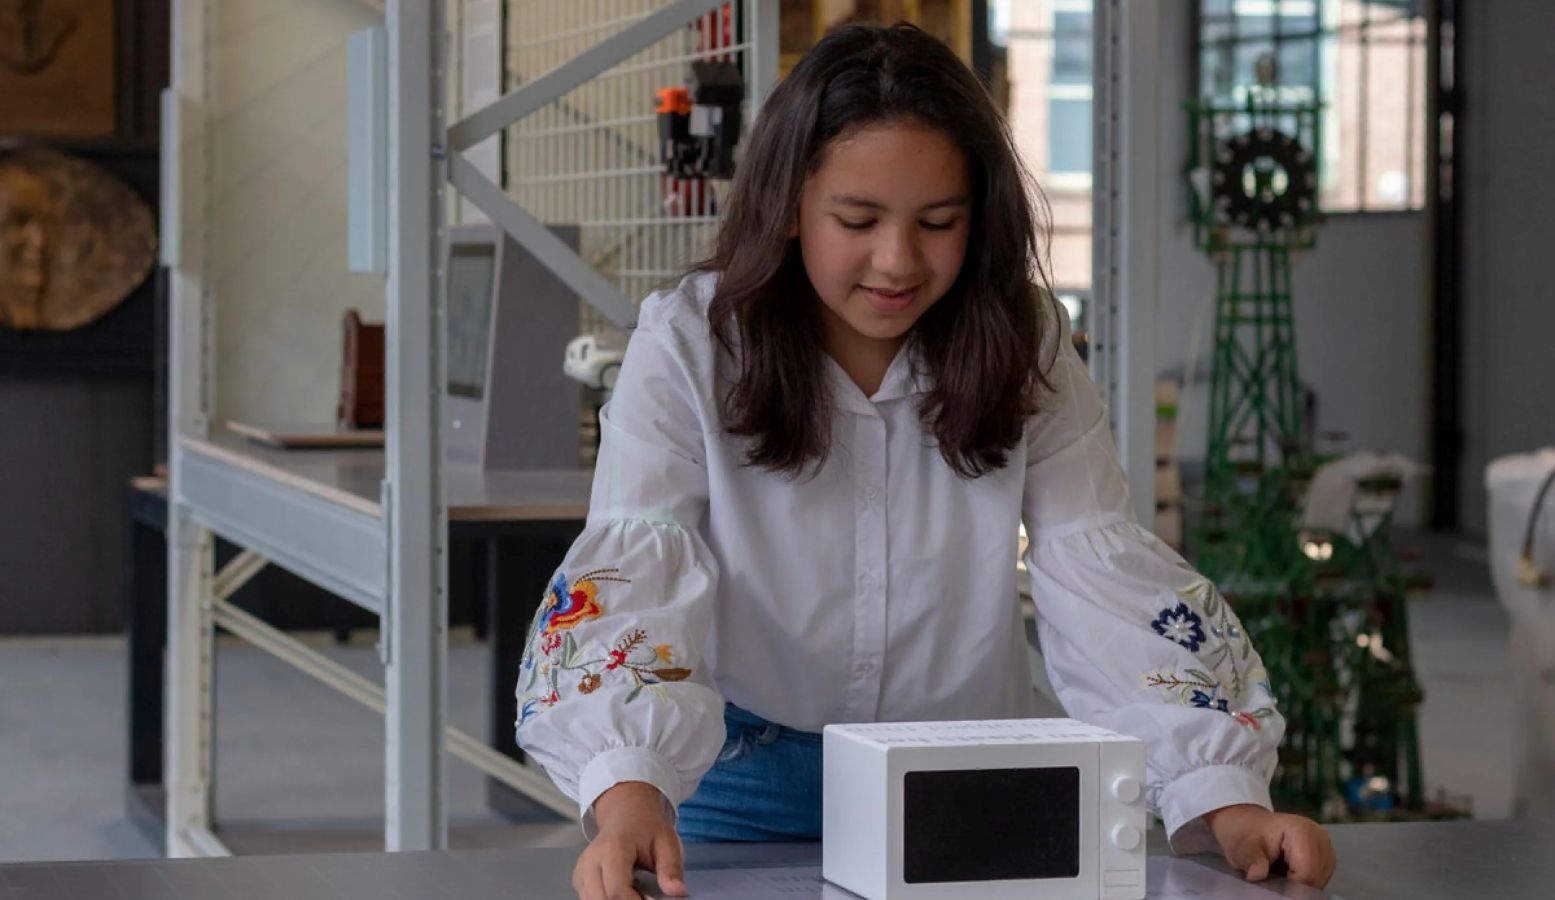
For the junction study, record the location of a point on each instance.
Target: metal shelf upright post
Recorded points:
(386, 553)
(392, 563)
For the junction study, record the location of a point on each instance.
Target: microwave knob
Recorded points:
(1127, 837)
(1126, 788)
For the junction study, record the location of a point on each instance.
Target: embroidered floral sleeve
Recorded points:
(554, 657)
(1222, 679)
(1133, 638)
(612, 686)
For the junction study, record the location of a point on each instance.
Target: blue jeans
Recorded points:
(765, 786)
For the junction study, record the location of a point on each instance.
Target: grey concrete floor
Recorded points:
(1459, 637)
(300, 768)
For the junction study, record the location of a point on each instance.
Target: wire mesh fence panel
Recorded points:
(594, 157)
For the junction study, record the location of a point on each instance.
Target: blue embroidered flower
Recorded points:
(1182, 625)
(1208, 701)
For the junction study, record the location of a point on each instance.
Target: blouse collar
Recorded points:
(905, 377)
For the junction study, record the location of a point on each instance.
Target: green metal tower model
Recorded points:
(1325, 609)
(1255, 177)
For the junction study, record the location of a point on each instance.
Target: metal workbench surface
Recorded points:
(1507, 860)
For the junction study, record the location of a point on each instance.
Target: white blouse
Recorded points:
(883, 588)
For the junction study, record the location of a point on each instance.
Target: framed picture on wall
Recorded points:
(58, 66)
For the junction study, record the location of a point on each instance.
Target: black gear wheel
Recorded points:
(1282, 192)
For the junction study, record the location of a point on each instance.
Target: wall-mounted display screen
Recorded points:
(471, 268)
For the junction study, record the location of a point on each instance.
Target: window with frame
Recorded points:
(1046, 50)
(1049, 46)
(1070, 92)
(1364, 60)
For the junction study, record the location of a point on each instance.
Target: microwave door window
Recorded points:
(991, 824)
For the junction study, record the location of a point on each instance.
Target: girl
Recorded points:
(810, 481)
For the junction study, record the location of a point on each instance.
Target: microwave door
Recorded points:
(962, 825)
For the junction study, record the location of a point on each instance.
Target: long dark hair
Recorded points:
(980, 343)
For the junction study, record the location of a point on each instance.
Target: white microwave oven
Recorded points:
(1040, 809)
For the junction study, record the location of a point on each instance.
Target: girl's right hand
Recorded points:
(635, 829)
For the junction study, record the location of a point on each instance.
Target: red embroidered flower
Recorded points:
(580, 603)
(1248, 720)
(551, 699)
(617, 658)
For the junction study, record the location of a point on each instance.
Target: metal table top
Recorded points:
(1503, 860)
(353, 478)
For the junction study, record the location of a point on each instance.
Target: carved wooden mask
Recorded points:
(74, 241)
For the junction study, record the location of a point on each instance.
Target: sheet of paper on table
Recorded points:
(1166, 878)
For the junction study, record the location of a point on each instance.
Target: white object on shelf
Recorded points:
(1030, 808)
(592, 363)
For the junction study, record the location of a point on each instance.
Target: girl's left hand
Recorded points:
(1254, 839)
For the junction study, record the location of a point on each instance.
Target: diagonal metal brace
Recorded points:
(488, 196)
(617, 48)
(547, 248)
